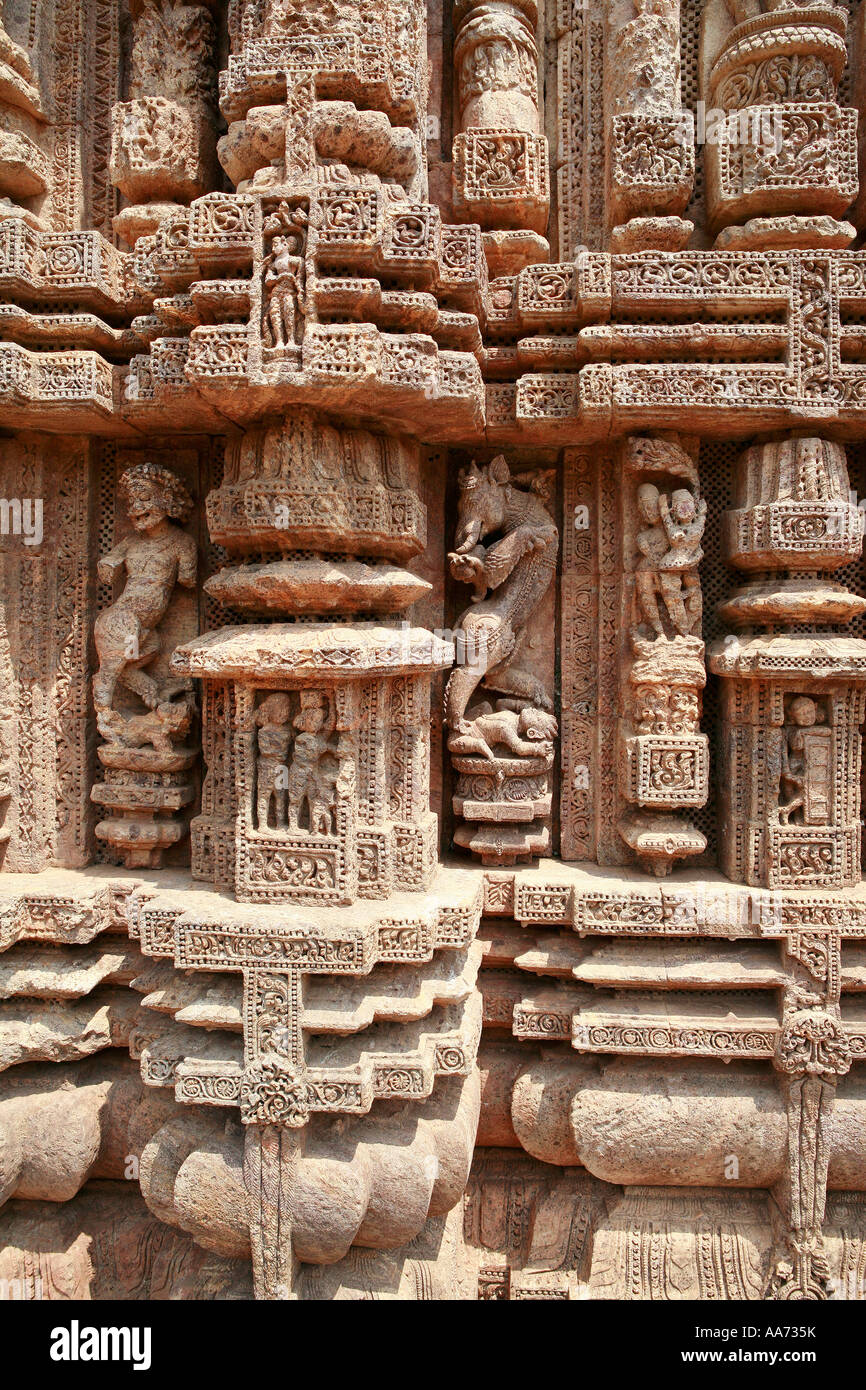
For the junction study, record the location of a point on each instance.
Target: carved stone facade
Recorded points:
(432, 649)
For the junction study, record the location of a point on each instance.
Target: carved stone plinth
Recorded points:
(653, 165)
(143, 788)
(506, 803)
(501, 179)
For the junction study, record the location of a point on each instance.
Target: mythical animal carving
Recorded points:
(518, 568)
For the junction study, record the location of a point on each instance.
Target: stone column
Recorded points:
(500, 172)
(651, 156)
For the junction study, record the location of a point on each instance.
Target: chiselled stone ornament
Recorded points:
(145, 754)
(664, 759)
(503, 753)
(432, 650)
(785, 148)
(793, 702)
(500, 176)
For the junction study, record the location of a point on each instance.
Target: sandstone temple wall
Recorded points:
(432, 649)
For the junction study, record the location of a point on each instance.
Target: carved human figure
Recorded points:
(652, 544)
(683, 518)
(519, 567)
(527, 733)
(284, 280)
(806, 765)
(813, 483)
(274, 740)
(157, 557)
(670, 552)
(313, 770)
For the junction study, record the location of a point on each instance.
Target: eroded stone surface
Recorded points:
(432, 650)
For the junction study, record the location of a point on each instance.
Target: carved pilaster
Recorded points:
(663, 756)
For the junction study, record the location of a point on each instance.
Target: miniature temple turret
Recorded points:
(793, 696)
(783, 159)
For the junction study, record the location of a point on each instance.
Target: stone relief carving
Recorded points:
(665, 757)
(490, 857)
(792, 696)
(284, 277)
(144, 753)
(510, 576)
(777, 68)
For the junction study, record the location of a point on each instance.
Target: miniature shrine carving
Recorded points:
(432, 649)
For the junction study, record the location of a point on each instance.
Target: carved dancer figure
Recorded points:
(519, 567)
(670, 552)
(310, 778)
(156, 558)
(284, 279)
(683, 518)
(274, 740)
(652, 544)
(805, 778)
